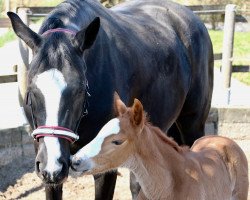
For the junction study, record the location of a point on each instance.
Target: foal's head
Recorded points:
(115, 143)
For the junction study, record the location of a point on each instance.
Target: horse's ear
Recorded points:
(119, 107)
(85, 38)
(137, 113)
(31, 38)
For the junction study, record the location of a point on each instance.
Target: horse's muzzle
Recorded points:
(52, 177)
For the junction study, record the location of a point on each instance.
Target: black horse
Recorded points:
(153, 50)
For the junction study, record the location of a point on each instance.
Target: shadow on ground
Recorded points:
(11, 172)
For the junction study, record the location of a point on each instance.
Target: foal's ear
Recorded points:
(31, 38)
(85, 38)
(119, 107)
(137, 113)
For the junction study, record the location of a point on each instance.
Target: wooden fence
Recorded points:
(228, 14)
(5, 23)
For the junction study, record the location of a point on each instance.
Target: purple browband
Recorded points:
(59, 30)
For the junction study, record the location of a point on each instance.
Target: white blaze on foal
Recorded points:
(52, 84)
(94, 147)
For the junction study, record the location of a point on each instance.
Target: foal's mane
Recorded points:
(168, 140)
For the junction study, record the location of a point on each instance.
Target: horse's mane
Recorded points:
(168, 140)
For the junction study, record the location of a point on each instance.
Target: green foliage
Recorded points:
(241, 45)
(217, 39)
(242, 54)
(240, 3)
(50, 3)
(1, 7)
(29, 3)
(243, 77)
(241, 51)
(7, 37)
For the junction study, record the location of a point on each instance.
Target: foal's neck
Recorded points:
(155, 161)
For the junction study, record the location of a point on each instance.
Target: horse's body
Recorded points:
(215, 168)
(154, 50)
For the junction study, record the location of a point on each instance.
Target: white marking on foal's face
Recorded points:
(94, 147)
(52, 84)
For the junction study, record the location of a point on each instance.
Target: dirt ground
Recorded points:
(19, 181)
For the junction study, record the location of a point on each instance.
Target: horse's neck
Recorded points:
(154, 164)
(76, 14)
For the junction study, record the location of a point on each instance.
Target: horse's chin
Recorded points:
(54, 183)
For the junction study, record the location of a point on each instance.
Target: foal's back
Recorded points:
(213, 147)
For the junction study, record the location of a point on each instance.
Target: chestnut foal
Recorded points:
(215, 168)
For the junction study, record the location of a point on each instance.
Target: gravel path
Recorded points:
(19, 181)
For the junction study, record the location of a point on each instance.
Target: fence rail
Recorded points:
(5, 23)
(7, 78)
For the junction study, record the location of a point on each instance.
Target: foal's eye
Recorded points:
(117, 142)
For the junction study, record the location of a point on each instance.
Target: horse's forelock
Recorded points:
(57, 51)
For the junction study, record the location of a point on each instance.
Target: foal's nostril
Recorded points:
(77, 162)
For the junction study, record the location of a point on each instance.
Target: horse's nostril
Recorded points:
(64, 164)
(45, 175)
(38, 166)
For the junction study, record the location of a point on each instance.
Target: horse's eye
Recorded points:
(117, 142)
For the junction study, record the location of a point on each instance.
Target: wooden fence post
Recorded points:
(227, 51)
(7, 5)
(23, 66)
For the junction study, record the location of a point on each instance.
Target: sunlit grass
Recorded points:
(241, 53)
(7, 37)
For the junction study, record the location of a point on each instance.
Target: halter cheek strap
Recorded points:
(55, 131)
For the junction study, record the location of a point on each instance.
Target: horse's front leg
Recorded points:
(54, 192)
(105, 185)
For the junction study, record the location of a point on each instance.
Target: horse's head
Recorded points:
(56, 93)
(115, 143)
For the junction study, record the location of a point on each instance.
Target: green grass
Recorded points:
(50, 3)
(241, 52)
(7, 37)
